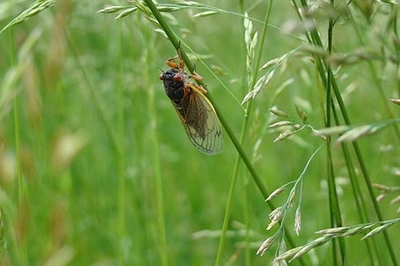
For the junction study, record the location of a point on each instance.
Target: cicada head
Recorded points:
(173, 84)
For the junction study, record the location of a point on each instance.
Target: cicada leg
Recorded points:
(189, 87)
(171, 62)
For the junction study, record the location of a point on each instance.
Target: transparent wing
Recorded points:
(201, 122)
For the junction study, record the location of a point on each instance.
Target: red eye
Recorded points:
(178, 77)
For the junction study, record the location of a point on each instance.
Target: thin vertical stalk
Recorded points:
(336, 217)
(96, 98)
(17, 135)
(121, 169)
(163, 248)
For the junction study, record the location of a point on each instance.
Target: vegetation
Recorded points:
(96, 169)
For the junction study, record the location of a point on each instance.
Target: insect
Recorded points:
(195, 110)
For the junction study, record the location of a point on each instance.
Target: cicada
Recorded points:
(195, 110)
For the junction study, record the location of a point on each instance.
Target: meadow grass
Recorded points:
(96, 169)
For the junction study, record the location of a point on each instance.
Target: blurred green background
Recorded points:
(95, 164)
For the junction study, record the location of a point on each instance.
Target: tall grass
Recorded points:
(95, 167)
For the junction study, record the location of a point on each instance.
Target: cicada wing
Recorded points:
(201, 122)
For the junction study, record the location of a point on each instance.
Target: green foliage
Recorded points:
(96, 169)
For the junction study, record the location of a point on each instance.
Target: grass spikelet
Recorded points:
(260, 84)
(276, 192)
(112, 9)
(306, 248)
(395, 101)
(126, 12)
(275, 216)
(281, 124)
(353, 133)
(301, 114)
(283, 136)
(37, 7)
(386, 189)
(250, 40)
(205, 14)
(395, 200)
(359, 132)
(333, 231)
(266, 245)
(297, 221)
(278, 112)
(331, 131)
(376, 231)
